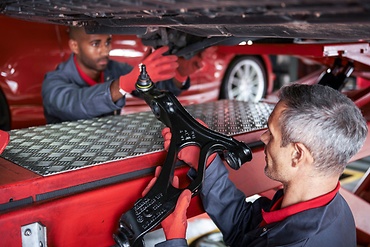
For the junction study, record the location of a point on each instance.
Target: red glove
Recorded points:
(4, 140)
(174, 226)
(189, 154)
(161, 67)
(188, 67)
(158, 66)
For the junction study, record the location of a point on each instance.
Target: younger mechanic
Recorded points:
(91, 85)
(312, 133)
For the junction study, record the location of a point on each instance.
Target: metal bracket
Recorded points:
(33, 234)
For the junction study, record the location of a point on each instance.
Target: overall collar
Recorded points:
(277, 214)
(84, 76)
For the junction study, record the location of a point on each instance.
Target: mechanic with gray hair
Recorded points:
(312, 133)
(91, 85)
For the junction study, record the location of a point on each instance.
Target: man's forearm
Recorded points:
(115, 91)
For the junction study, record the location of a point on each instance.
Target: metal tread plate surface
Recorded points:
(57, 148)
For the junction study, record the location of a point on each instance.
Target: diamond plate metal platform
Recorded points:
(52, 149)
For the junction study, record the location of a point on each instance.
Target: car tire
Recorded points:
(4, 113)
(244, 80)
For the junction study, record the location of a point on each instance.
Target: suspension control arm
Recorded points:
(161, 199)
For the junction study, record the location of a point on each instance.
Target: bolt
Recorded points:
(41, 244)
(27, 232)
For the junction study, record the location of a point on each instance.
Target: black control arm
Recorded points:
(161, 199)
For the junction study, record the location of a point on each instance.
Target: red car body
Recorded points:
(30, 49)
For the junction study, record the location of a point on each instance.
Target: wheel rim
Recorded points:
(246, 81)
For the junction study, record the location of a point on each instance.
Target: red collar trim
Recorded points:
(84, 76)
(276, 214)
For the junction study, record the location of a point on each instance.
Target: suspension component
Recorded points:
(161, 199)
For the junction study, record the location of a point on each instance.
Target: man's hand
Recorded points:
(189, 66)
(4, 140)
(159, 67)
(189, 154)
(174, 226)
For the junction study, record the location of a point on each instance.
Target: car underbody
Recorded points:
(180, 23)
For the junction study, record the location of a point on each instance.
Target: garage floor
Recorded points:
(197, 227)
(354, 172)
(202, 225)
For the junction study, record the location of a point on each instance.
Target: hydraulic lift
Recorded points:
(77, 178)
(68, 184)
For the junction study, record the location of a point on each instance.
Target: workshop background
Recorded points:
(78, 178)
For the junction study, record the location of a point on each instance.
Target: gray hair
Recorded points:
(326, 121)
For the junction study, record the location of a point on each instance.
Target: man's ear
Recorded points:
(301, 154)
(73, 46)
